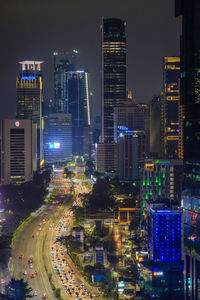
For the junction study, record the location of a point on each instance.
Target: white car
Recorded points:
(35, 293)
(25, 272)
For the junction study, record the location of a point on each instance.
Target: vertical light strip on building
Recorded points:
(87, 96)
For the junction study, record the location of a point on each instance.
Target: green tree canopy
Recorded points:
(101, 197)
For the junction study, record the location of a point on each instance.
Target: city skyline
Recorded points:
(99, 150)
(143, 56)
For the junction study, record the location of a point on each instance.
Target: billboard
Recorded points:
(54, 145)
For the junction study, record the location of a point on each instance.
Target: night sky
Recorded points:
(34, 29)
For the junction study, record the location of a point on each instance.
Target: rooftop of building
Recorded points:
(163, 207)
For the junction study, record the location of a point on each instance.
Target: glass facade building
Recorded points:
(78, 105)
(113, 72)
(71, 95)
(60, 84)
(189, 11)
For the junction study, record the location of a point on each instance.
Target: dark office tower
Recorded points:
(190, 85)
(29, 87)
(156, 125)
(171, 99)
(78, 105)
(127, 168)
(133, 117)
(61, 67)
(113, 72)
(190, 99)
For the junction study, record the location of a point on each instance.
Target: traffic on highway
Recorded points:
(36, 252)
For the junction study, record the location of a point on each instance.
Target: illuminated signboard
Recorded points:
(17, 123)
(163, 162)
(122, 128)
(149, 167)
(28, 77)
(157, 273)
(121, 284)
(54, 145)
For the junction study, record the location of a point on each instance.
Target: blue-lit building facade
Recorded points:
(164, 232)
(162, 273)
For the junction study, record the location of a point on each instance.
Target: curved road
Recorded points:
(38, 247)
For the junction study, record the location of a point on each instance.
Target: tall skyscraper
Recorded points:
(171, 100)
(78, 105)
(189, 11)
(113, 72)
(61, 68)
(71, 95)
(190, 85)
(18, 151)
(29, 87)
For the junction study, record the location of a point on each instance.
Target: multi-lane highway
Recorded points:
(36, 255)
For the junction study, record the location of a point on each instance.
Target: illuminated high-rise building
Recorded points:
(113, 72)
(164, 232)
(29, 85)
(61, 68)
(171, 100)
(78, 105)
(71, 96)
(161, 179)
